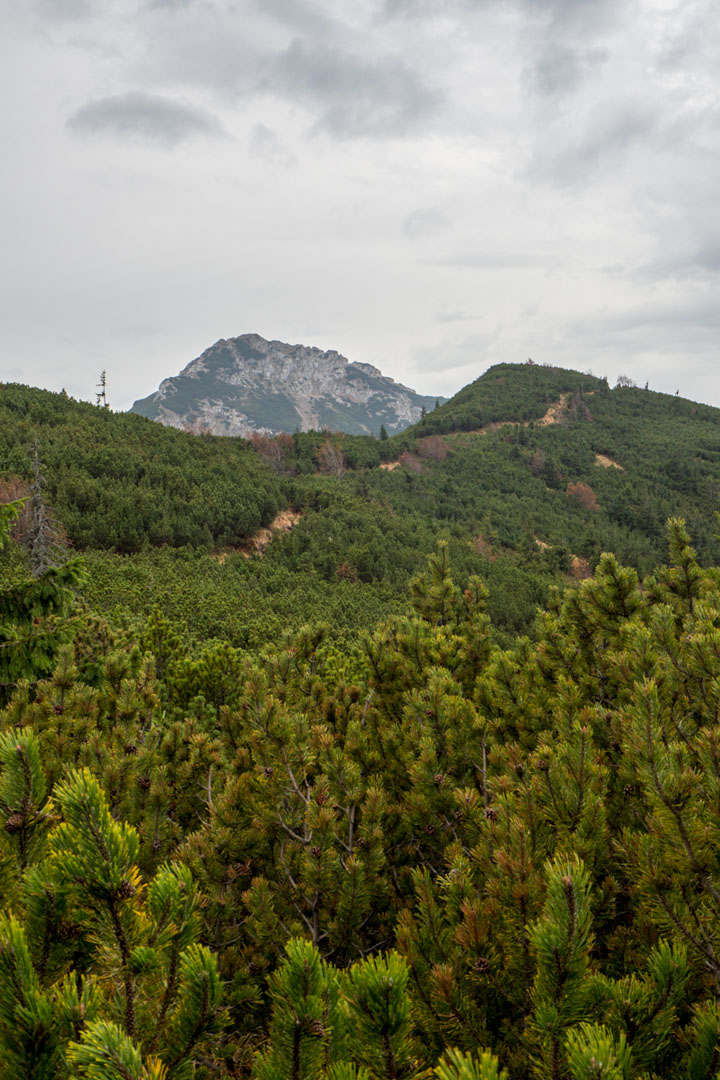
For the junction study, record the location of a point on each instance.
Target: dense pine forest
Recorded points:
(363, 759)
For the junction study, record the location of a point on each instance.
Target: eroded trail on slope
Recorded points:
(553, 415)
(257, 544)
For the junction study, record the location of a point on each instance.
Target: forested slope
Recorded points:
(121, 483)
(449, 861)
(466, 829)
(529, 473)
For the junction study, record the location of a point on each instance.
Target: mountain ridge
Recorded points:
(248, 384)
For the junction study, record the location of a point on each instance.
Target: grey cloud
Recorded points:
(352, 95)
(265, 144)
(145, 116)
(560, 69)
(468, 355)
(675, 334)
(298, 14)
(579, 15)
(425, 222)
(565, 12)
(419, 7)
(603, 135)
(172, 5)
(301, 16)
(455, 317)
(63, 10)
(695, 315)
(490, 260)
(203, 47)
(701, 259)
(686, 39)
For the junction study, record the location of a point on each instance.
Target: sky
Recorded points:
(430, 186)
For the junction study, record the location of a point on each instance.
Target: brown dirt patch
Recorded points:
(580, 568)
(258, 543)
(481, 546)
(607, 462)
(552, 416)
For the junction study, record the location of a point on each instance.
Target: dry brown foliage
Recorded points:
(411, 462)
(432, 447)
(330, 459)
(482, 547)
(273, 449)
(583, 495)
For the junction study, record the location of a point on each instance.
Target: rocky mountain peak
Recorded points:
(247, 384)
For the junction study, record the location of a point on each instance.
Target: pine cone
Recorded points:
(14, 822)
(126, 890)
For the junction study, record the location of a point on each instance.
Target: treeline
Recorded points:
(120, 482)
(434, 857)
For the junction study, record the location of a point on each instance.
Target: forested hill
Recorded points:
(529, 473)
(444, 836)
(118, 481)
(508, 392)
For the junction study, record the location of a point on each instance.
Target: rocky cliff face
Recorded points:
(246, 384)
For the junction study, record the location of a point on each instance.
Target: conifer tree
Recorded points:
(35, 616)
(43, 538)
(562, 940)
(23, 794)
(380, 1020)
(127, 940)
(308, 1028)
(459, 1066)
(593, 1054)
(332, 1025)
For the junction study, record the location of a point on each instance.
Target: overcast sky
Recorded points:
(431, 186)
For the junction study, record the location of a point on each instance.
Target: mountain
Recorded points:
(246, 384)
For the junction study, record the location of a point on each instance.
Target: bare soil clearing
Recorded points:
(607, 462)
(552, 416)
(258, 543)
